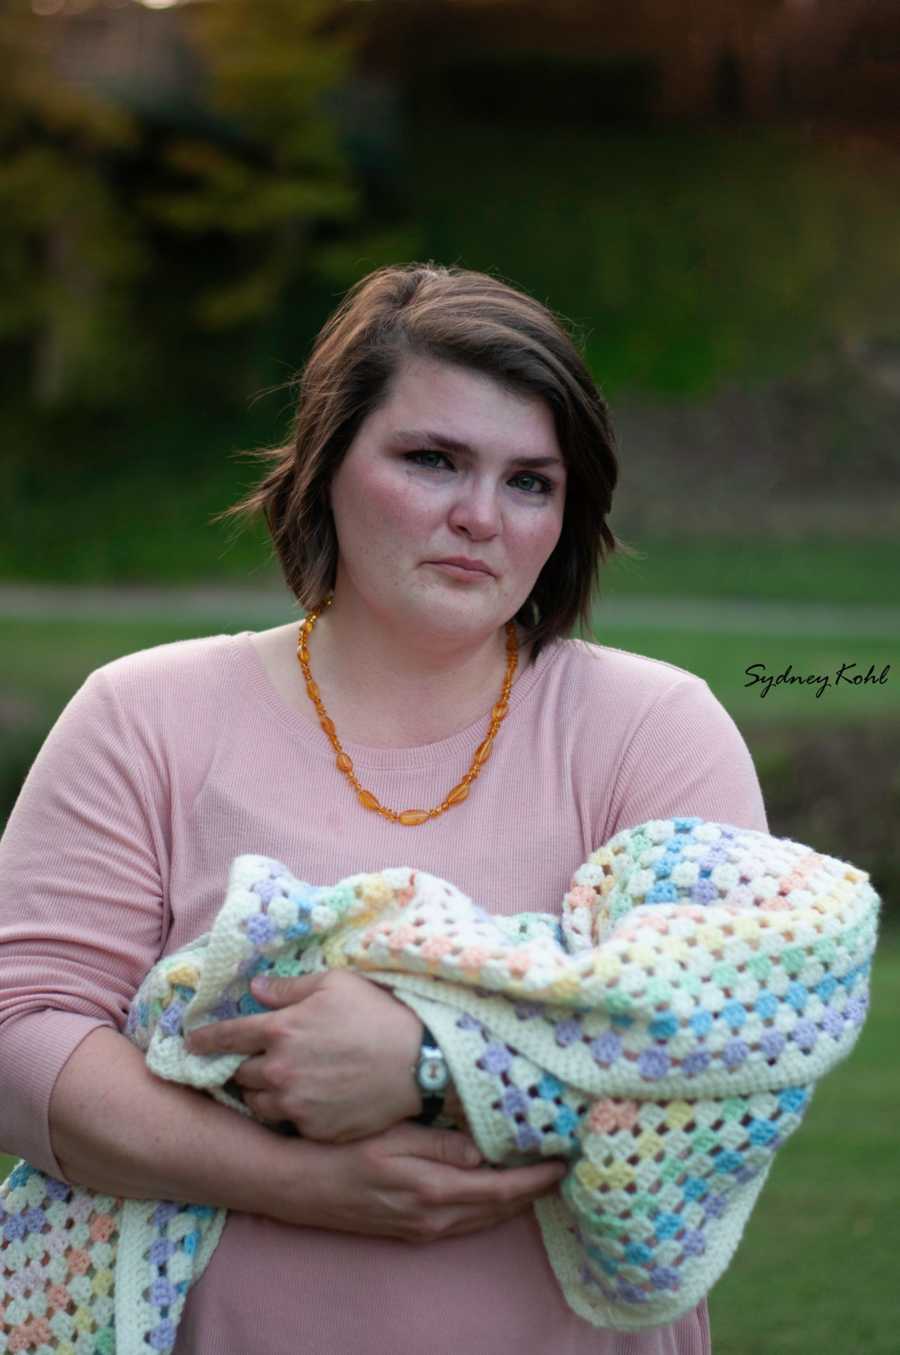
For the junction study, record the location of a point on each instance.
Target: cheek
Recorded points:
(378, 509)
(537, 539)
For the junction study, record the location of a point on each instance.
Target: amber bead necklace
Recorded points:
(410, 818)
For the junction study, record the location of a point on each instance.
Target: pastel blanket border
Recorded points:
(664, 1035)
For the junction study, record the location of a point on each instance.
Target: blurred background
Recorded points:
(708, 192)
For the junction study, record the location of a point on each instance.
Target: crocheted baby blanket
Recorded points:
(663, 1034)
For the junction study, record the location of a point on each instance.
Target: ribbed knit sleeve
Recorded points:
(81, 913)
(686, 757)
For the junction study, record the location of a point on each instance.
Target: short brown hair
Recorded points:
(475, 321)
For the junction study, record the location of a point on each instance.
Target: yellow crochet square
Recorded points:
(679, 1113)
(648, 1144)
(103, 1282)
(186, 974)
(607, 965)
(83, 1319)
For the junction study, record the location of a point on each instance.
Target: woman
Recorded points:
(447, 486)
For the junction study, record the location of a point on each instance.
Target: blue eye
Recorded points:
(430, 460)
(543, 486)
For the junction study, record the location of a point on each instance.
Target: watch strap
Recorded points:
(432, 1097)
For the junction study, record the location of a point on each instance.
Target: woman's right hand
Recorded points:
(414, 1183)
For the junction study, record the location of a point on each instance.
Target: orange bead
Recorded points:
(411, 817)
(483, 751)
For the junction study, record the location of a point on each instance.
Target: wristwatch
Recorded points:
(432, 1077)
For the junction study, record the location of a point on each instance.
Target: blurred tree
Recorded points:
(69, 251)
(274, 176)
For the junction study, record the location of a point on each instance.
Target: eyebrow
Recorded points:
(444, 442)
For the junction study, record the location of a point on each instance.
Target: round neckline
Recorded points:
(415, 756)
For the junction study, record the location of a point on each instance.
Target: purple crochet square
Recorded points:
(735, 1053)
(805, 1035)
(163, 1293)
(496, 1058)
(606, 1048)
(664, 1277)
(714, 1207)
(568, 1031)
(261, 929)
(653, 1064)
(630, 1293)
(527, 1138)
(162, 1337)
(772, 1043)
(704, 891)
(164, 1212)
(170, 1021)
(514, 1102)
(161, 1251)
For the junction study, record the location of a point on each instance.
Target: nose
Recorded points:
(476, 510)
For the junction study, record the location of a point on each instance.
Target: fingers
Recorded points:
(446, 1146)
(245, 1035)
(251, 1075)
(514, 1186)
(284, 992)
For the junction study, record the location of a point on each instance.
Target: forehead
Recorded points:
(465, 407)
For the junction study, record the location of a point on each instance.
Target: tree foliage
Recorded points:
(273, 174)
(69, 252)
(109, 202)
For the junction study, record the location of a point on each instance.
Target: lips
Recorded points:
(476, 566)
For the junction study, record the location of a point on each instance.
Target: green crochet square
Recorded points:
(760, 967)
(793, 959)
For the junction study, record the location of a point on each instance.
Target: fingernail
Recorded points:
(260, 981)
(472, 1155)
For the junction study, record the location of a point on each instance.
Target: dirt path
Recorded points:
(268, 606)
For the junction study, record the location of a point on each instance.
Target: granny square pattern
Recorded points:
(664, 1035)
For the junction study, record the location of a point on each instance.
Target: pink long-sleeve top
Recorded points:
(169, 763)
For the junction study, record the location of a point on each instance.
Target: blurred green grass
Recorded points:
(815, 1271)
(46, 659)
(835, 571)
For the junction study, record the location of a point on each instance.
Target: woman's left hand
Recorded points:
(335, 1055)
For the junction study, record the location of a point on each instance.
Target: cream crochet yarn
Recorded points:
(664, 1034)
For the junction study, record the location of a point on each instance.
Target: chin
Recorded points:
(453, 608)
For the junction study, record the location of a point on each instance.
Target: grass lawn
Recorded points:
(46, 659)
(816, 1270)
(837, 571)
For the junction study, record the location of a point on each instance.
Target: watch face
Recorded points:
(432, 1073)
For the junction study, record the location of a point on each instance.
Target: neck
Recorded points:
(385, 686)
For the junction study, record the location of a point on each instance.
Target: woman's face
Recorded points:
(451, 464)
